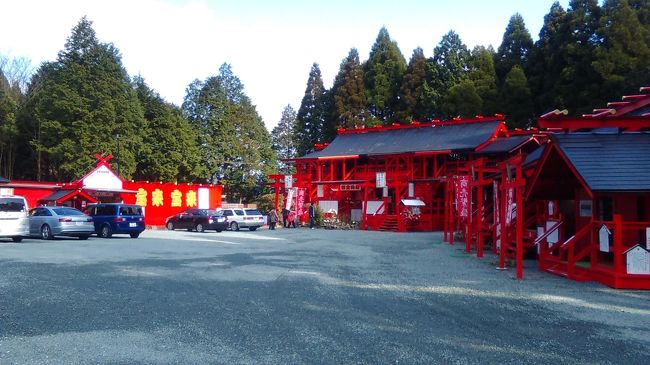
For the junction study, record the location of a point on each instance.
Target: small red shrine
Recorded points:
(160, 200)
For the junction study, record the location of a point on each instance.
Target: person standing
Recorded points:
(312, 215)
(292, 217)
(285, 217)
(273, 219)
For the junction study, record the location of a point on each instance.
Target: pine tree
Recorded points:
(383, 77)
(548, 59)
(170, 146)
(310, 120)
(350, 104)
(517, 99)
(622, 59)
(515, 46)
(579, 84)
(235, 145)
(449, 67)
(8, 129)
(77, 106)
(412, 92)
(282, 138)
(462, 100)
(484, 78)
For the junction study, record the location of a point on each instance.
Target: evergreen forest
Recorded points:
(54, 119)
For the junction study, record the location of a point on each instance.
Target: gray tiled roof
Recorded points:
(609, 162)
(454, 137)
(505, 144)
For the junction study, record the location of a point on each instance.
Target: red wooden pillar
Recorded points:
(365, 205)
(618, 244)
(519, 181)
(502, 219)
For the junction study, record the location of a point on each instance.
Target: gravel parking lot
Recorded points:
(300, 296)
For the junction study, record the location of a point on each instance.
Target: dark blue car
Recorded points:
(117, 218)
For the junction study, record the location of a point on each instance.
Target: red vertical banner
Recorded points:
(300, 202)
(462, 196)
(510, 206)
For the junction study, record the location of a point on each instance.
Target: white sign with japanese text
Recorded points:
(381, 179)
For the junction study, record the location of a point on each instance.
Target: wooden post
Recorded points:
(479, 210)
(365, 205)
(520, 221)
(504, 229)
(618, 244)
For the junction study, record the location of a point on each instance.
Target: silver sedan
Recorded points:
(48, 222)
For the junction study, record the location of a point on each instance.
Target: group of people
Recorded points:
(290, 218)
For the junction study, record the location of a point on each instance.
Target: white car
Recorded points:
(244, 218)
(13, 217)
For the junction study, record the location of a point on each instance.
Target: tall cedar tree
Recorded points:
(350, 103)
(282, 138)
(449, 67)
(383, 77)
(515, 46)
(76, 107)
(236, 147)
(170, 151)
(622, 59)
(484, 77)
(579, 82)
(310, 121)
(517, 99)
(412, 92)
(547, 61)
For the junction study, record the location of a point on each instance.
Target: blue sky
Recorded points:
(271, 45)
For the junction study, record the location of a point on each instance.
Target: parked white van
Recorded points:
(13, 217)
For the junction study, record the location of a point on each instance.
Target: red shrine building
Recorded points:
(574, 192)
(160, 200)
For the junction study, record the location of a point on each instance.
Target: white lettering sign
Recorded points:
(603, 238)
(288, 181)
(381, 179)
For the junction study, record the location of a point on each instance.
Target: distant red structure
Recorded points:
(160, 200)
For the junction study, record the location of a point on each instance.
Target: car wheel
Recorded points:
(46, 232)
(84, 237)
(170, 226)
(219, 230)
(252, 228)
(134, 234)
(106, 231)
(199, 227)
(17, 239)
(234, 226)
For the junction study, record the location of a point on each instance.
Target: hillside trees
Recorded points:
(77, 105)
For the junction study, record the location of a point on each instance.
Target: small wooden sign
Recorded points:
(638, 260)
(603, 238)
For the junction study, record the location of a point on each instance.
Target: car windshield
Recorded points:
(66, 211)
(12, 205)
(215, 212)
(252, 212)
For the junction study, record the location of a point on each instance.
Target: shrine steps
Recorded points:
(389, 224)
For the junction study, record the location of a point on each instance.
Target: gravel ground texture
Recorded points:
(301, 296)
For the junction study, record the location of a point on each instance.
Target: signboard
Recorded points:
(647, 238)
(553, 237)
(288, 181)
(350, 187)
(463, 197)
(638, 261)
(603, 238)
(319, 191)
(411, 190)
(162, 200)
(102, 178)
(381, 179)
